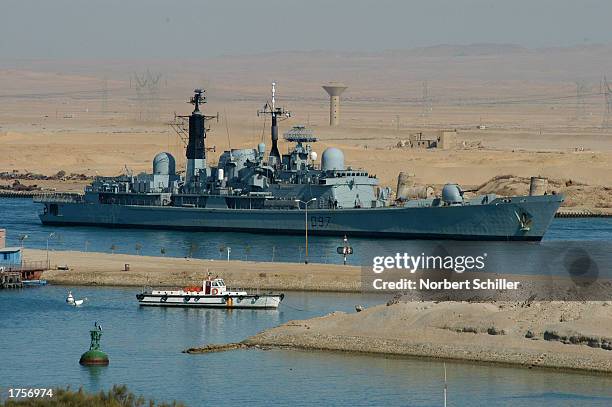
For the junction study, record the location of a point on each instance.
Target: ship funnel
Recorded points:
(196, 149)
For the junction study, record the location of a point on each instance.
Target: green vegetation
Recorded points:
(118, 396)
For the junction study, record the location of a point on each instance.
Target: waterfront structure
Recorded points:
(10, 257)
(251, 191)
(10, 279)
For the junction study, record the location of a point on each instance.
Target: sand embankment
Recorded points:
(562, 335)
(105, 269)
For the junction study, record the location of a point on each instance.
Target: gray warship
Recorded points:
(251, 191)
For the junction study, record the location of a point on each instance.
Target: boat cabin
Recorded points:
(211, 286)
(214, 287)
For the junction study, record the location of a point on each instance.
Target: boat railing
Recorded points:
(58, 197)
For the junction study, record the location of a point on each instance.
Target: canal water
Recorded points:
(43, 338)
(20, 217)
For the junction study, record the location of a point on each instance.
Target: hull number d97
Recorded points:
(319, 221)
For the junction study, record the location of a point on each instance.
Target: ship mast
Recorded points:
(277, 113)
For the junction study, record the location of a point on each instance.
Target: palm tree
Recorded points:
(138, 247)
(247, 251)
(163, 251)
(113, 248)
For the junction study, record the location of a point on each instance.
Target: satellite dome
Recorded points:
(164, 164)
(332, 159)
(452, 194)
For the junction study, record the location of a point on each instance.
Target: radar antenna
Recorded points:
(277, 113)
(198, 98)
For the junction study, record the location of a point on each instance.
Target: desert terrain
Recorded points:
(518, 113)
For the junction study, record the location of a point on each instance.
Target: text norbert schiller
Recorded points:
(445, 284)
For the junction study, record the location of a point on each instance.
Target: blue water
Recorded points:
(43, 338)
(20, 216)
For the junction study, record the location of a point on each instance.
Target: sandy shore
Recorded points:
(105, 269)
(560, 335)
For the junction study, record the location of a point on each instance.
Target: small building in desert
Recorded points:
(443, 139)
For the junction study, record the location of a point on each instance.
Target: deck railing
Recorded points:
(59, 198)
(25, 266)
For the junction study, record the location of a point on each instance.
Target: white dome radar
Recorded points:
(164, 164)
(332, 159)
(452, 194)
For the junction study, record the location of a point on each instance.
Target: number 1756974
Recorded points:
(29, 392)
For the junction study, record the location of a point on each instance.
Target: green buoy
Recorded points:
(94, 356)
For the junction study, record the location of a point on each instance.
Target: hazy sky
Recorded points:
(204, 28)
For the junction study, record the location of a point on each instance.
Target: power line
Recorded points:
(426, 103)
(104, 95)
(529, 100)
(581, 92)
(607, 92)
(44, 95)
(147, 90)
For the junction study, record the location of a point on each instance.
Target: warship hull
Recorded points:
(497, 220)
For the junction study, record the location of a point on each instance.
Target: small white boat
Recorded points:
(212, 294)
(70, 300)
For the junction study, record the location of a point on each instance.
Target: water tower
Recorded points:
(334, 90)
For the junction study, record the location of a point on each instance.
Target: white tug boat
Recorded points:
(212, 294)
